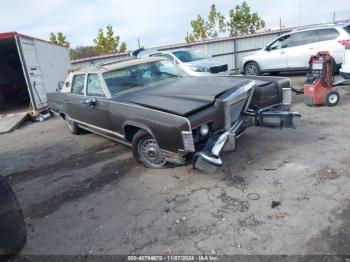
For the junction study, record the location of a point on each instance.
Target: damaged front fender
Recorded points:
(280, 116)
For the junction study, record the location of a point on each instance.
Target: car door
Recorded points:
(96, 104)
(302, 45)
(75, 96)
(274, 56)
(328, 41)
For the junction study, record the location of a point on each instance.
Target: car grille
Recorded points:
(236, 110)
(217, 69)
(235, 102)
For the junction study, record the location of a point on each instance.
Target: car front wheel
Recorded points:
(146, 150)
(252, 69)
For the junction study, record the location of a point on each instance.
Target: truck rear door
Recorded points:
(45, 64)
(33, 70)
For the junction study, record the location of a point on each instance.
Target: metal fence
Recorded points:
(227, 49)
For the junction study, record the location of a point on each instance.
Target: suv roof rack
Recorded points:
(341, 23)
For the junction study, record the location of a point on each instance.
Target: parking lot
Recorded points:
(86, 195)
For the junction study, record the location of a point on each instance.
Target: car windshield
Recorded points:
(190, 55)
(133, 77)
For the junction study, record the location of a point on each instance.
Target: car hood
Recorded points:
(184, 95)
(207, 62)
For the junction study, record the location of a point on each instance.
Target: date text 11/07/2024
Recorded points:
(173, 258)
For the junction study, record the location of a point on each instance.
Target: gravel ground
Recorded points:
(86, 195)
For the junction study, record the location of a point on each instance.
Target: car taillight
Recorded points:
(344, 42)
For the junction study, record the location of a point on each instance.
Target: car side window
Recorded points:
(303, 38)
(78, 85)
(93, 86)
(281, 42)
(327, 34)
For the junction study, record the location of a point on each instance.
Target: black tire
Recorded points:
(252, 69)
(13, 234)
(72, 126)
(332, 98)
(137, 141)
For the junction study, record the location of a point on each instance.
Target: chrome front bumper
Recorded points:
(208, 160)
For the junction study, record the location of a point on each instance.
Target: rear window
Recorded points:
(302, 38)
(327, 34)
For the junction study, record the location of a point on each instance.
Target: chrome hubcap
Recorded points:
(251, 70)
(151, 153)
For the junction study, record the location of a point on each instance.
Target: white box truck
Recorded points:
(29, 69)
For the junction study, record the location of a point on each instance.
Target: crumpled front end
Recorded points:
(239, 116)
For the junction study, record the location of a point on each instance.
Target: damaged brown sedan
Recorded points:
(167, 117)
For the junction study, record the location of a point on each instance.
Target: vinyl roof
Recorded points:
(119, 64)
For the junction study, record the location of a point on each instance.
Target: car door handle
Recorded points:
(89, 102)
(66, 99)
(311, 48)
(282, 52)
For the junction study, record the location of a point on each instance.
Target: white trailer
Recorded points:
(29, 69)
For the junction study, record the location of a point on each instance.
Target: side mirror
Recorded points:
(267, 48)
(60, 85)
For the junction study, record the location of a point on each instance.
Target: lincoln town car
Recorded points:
(168, 117)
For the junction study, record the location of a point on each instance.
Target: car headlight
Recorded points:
(199, 69)
(204, 129)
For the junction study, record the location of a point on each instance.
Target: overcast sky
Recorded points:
(155, 22)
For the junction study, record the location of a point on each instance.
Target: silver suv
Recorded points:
(292, 51)
(192, 61)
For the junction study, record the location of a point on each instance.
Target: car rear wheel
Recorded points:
(146, 150)
(252, 69)
(72, 126)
